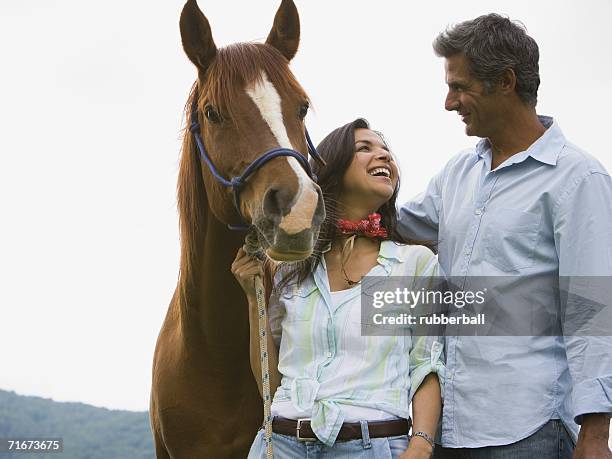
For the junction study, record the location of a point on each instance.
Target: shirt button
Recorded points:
(329, 354)
(478, 211)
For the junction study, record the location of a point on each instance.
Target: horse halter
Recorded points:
(238, 182)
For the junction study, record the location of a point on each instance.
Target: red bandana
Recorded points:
(369, 228)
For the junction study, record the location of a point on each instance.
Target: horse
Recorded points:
(245, 102)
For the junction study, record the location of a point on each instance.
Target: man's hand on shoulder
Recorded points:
(593, 438)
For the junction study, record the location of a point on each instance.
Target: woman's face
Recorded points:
(373, 174)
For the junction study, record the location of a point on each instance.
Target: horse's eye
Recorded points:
(212, 115)
(304, 110)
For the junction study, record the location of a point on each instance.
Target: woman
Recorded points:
(354, 391)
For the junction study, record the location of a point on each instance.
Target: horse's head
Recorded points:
(249, 103)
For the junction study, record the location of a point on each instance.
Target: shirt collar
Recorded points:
(389, 253)
(546, 149)
(389, 250)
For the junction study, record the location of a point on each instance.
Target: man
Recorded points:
(524, 202)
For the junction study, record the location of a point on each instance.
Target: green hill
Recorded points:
(88, 432)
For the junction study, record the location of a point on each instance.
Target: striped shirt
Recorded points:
(325, 362)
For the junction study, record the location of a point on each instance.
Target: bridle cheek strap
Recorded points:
(237, 183)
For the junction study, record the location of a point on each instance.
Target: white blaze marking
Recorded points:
(268, 101)
(266, 98)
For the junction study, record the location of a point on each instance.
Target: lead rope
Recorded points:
(252, 247)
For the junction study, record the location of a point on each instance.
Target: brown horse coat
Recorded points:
(204, 399)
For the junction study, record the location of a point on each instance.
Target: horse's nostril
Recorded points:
(276, 203)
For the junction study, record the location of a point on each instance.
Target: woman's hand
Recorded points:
(245, 268)
(417, 450)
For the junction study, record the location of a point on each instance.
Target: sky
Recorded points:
(91, 99)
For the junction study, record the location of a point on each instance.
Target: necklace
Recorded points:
(350, 282)
(347, 250)
(370, 228)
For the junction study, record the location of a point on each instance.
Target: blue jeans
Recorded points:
(552, 441)
(288, 447)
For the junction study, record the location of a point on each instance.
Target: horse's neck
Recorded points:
(216, 299)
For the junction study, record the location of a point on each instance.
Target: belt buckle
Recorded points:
(297, 431)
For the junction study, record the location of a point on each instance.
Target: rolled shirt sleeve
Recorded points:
(427, 352)
(426, 356)
(583, 237)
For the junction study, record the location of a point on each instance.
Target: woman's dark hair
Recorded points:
(338, 150)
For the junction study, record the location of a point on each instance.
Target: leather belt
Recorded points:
(349, 431)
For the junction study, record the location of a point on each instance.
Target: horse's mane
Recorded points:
(234, 67)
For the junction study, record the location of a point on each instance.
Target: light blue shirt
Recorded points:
(544, 211)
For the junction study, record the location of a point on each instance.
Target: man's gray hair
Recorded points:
(493, 44)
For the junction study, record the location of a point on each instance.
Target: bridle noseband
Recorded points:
(238, 182)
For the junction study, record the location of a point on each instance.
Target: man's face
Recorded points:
(469, 98)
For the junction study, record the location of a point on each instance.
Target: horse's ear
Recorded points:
(196, 36)
(285, 33)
